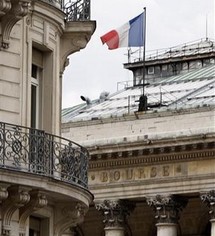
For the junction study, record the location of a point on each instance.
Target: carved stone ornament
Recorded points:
(3, 192)
(13, 14)
(209, 199)
(5, 6)
(71, 216)
(38, 200)
(18, 197)
(115, 212)
(167, 208)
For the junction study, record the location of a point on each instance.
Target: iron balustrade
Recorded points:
(78, 10)
(56, 3)
(35, 151)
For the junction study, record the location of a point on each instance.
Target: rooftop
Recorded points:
(199, 47)
(190, 89)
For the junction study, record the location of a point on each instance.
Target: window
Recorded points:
(33, 232)
(164, 70)
(39, 226)
(35, 225)
(35, 95)
(195, 64)
(151, 70)
(42, 85)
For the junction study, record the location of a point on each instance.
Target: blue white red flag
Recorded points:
(130, 34)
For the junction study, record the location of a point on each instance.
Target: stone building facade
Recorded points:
(152, 172)
(43, 177)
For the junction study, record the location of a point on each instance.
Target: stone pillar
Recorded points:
(167, 209)
(115, 215)
(209, 199)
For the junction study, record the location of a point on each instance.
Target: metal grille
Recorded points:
(77, 11)
(35, 151)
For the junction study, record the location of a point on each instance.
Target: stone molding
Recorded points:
(209, 199)
(38, 200)
(75, 37)
(18, 197)
(13, 13)
(70, 217)
(3, 191)
(167, 208)
(152, 155)
(5, 6)
(115, 212)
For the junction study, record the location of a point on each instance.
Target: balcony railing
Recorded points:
(78, 10)
(35, 151)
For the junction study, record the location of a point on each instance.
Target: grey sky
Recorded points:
(169, 23)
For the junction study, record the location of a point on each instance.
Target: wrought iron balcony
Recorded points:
(35, 151)
(78, 10)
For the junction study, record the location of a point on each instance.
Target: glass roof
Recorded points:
(190, 90)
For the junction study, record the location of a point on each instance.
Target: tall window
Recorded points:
(39, 226)
(42, 84)
(35, 95)
(35, 226)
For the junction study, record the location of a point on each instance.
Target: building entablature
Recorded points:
(152, 151)
(170, 168)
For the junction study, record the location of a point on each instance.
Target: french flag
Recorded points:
(130, 34)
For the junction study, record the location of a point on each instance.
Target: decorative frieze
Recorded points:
(144, 157)
(209, 199)
(167, 208)
(115, 212)
(137, 173)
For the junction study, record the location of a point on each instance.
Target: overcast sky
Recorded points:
(169, 23)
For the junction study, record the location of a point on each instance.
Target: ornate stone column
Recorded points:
(167, 209)
(209, 199)
(115, 215)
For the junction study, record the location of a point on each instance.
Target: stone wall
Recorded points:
(141, 127)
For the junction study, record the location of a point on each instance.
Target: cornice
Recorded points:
(137, 116)
(156, 155)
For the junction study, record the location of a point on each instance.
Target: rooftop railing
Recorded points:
(78, 10)
(189, 49)
(35, 151)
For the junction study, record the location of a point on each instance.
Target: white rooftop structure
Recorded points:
(189, 89)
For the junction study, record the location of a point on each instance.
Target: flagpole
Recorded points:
(143, 98)
(144, 49)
